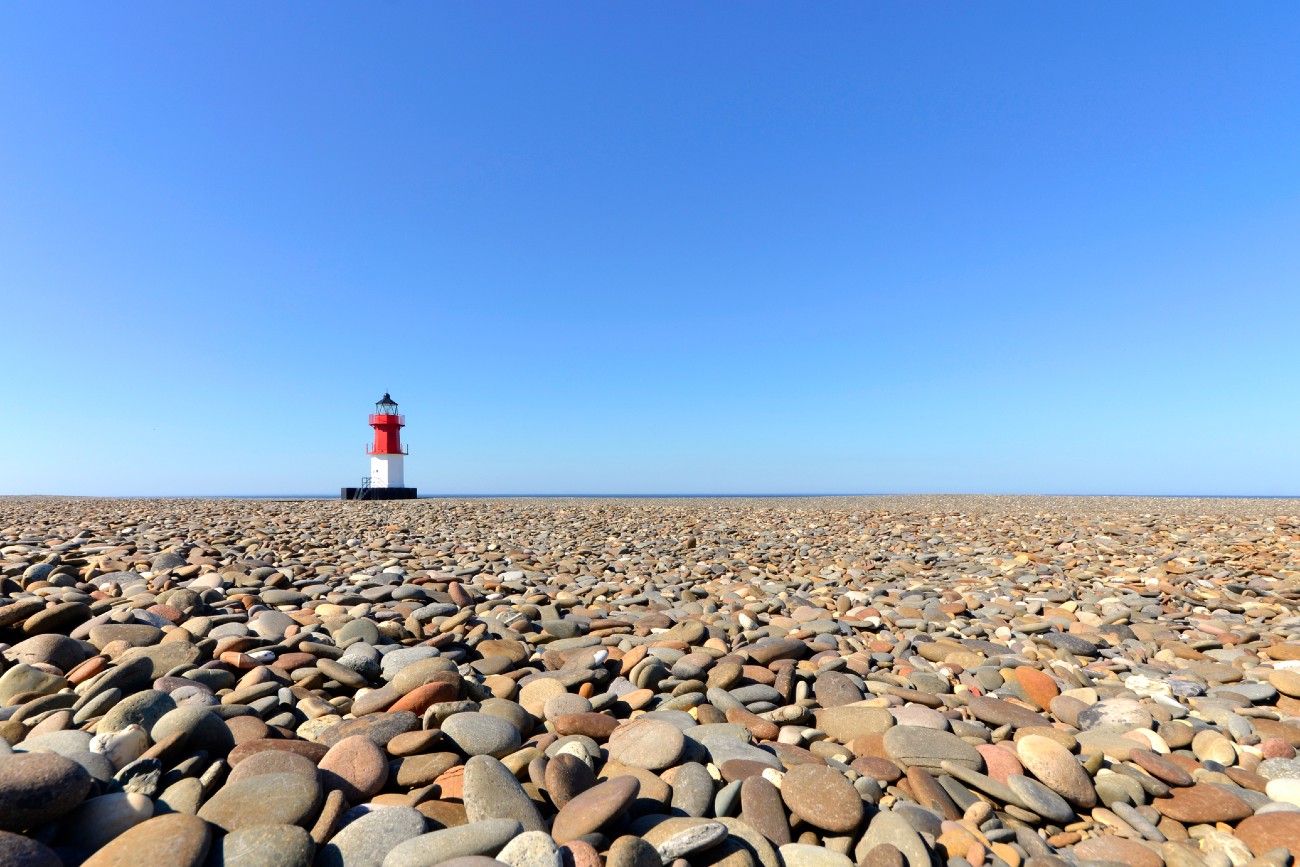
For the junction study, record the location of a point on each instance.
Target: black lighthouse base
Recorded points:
(378, 493)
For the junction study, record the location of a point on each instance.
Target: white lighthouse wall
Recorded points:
(386, 471)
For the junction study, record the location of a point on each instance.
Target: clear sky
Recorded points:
(659, 247)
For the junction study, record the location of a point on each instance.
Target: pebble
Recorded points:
(848, 723)
(631, 851)
(645, 743)
(98, 821)
(355, 766)
(1118, 850)
(366, 841)
(1203, 803)
(1038, 798)
(892, 830)
(927, 748)
(38, 787)
(1116, 715)
(698, 836)
(589, 811)
(276, 799)
(821, 796)
(492, 792)
(197, 728)
(692, 789)
(487, 837)
(263, 845)
(273, 762)
(480, 734)
(19, 851)
(804, 855)
(1267, 831)
(1039, 687)
(567, 776)
(531, 849)
(173, 839)
(1056, 767)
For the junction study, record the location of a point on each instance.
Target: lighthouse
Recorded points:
(387, 479)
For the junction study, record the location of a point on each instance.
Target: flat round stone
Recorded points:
(481, 734)
(895, 831)
(1039, 687)
(1286, 681)
(1161, 768)
(1073, 643)
(1270, 831)
(692, 789)
(1000, 762)
(999, 712)
(1203, 803)
(699, 836)
(1116, 715)
(1040, 799)
(379, 727)
(762, 807)
(804, 855)
(534, 694)
(38, 787)
(823, 797)
(725, 749)
(1279, 769)
(59, 651)
(1057, 768)
(341, 673)
(421, 672)
(491, 791)
(199, 729)
(883, 855)
(97, 821)
(927, 747)
(631, 851)
(566, 777)
(355, 766)
(172, 839)
(647, 743)
(589, 811)
(438, 847)
(879, 769)
(531, 849)
(275, 799)
(143, 708)
(264, 845)
(597, 726)
(19, 851)
(420, 698)
(422, 770)
(312, 751)
(273, 762)
(1117, 850)
(367, 840)
(835, 688)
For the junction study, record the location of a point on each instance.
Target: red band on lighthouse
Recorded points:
(388, 434)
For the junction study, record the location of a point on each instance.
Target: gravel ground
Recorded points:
(570, 682)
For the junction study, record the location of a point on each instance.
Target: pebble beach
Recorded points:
(801, 682)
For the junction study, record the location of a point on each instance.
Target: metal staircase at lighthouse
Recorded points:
(363, 491)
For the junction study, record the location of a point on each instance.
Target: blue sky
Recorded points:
(651, 247)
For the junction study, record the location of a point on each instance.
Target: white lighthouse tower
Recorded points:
(387, 479)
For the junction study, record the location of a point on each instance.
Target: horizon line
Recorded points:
(635, 496)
